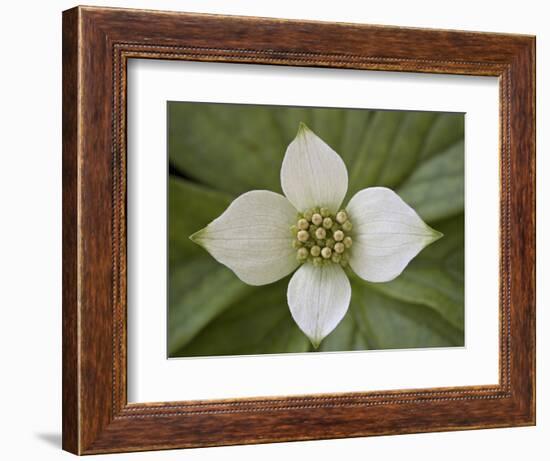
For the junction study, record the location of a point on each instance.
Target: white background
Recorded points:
(30, 230)
(153, 378)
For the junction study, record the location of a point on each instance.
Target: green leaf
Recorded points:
(372, 153)
(405, 150)
(395, 143)
(446, 130)
(436, 188)
(258, 323)
(388, 323)
(194, 299)
(435, 278)
(377, 321)
(233, 148)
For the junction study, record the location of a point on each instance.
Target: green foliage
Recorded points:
(257, 323)
(199, 290)
(436, 188)
(218, 151)
(388, 323)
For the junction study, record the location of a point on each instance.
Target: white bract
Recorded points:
(264, 236)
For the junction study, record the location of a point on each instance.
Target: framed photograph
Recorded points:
(280, 230)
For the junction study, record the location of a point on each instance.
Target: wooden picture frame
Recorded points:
(97, 44)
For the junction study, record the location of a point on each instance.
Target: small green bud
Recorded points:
(348, 242)
(315, 250)
(302, 254)
(321, 243)
(347, 226)
(309, 244)
(336, 258)
(320, 233)
(317, 262)
(308, 214)
(339, 247)
(302, 236)
(317, 219)
(326, 253)
(296, 244)
(341, 216)
(303, 224)
(338, 235)
(325, 212)
(330, 243)
(294, 229)
(327, 223)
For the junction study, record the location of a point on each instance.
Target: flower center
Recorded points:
(321, 237)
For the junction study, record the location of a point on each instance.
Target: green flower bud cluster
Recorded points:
(321, 237)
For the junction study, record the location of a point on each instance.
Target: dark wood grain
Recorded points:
(70, 384)
(97, 43)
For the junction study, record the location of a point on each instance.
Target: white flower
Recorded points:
(264, 236)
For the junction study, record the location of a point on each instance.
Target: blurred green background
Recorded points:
(218, 151)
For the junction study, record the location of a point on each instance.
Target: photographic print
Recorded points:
(306, 230)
